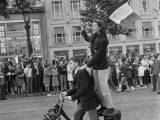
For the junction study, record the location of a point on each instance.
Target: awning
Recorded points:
(79, 52)
(76, 28)
(149, 46)
(147, 25)
(61, 53)
(131, 47)
(132, 26)
(59, 30)
(115, 48)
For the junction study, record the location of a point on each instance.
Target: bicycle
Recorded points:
(56, 111)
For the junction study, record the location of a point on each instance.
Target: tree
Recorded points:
(3, 8)
(97, 10)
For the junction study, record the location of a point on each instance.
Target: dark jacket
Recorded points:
(99, 43)
(156, 67)
(123, 68)
(129, 69)
(40, 69)
(84, 91)
(62, 69)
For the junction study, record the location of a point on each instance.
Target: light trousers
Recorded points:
(101, 78)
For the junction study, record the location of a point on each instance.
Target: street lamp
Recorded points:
(26, 17)
(25, 8)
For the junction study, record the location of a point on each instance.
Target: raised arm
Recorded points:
(85, 36)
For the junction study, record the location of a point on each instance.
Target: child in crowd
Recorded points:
(140, 74)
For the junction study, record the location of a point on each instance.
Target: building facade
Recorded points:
(63, 29)
(55, 30)
(64, 38)
(144, 34)
(13, 40)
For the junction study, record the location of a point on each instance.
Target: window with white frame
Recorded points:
(132, 33)
(59, 35)
(145, 5)
(77, 34)
(2, 31)
(57, 10)
(147, 29)
(75, 8)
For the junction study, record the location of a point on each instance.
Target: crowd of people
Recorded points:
(130, 71)
(38, 76)
(33, 76)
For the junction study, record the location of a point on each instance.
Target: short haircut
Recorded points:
(74, 59)
(80, 62)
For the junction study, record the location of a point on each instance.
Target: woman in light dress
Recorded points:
(46, 77)
(54, 72)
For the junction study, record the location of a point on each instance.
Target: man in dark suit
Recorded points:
(41, 73)
(153, 72)
(83, 92)
(38, 72)
(3, 72)
(156, 72)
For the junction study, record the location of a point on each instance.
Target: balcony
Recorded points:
(116, 38)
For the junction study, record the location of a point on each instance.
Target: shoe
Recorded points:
(141, 85)
(101, 110)
(49, 95)
(119, 90)
(145, 86)
(108, 111)
(158, 93)
(3, 98)
(132, 88)
(153, 90)
(127, 90)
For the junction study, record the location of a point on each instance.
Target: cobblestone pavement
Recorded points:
(140, 104)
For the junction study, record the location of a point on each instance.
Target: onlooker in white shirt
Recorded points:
(70, 75)
(28, 74)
